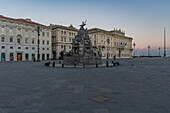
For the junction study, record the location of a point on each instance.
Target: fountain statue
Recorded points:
(82, 52)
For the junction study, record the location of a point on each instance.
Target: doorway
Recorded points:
(19, 56)
(2, 56)
(119, 53)
(11, 57)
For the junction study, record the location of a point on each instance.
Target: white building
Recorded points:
(19, 40)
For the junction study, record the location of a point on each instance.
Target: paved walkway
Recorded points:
(136, 86)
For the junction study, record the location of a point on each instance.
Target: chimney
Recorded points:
(27, 19)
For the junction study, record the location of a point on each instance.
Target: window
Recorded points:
(32, 41)
(47, 42)
(64, 32)
(69, 33)
(43, 42)
(3, 39)
(27, 56)
(26, 48)
(70, 39)
(18, 40)
(48, 35)
(11, 47)
(47, 48)
(69, 47)
(65, 39)
(19, 47)
(61, 32)
(33, 48)
(3, 47)
(42, 48)
(62, 46)
(33, 56)
(43, 33)
(26, 40)
(61, 38)
(11, 39)
(48, 57)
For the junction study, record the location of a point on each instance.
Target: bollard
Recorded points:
(62, 65)
(83, 65)
(107, 64)
(96, 65)
(114, 64)
(74, 65)
(53, 64)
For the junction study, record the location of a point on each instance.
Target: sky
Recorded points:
(143, 20)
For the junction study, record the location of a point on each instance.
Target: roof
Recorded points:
(28, 21)
(112, 32)
(65, 27)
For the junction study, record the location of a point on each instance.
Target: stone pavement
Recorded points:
(136, 86)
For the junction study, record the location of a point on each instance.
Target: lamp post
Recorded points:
(107, 62)
(149, 50)
(134, 49)
(108, 41)
(159, 51)
(38, 54)
(164, 42)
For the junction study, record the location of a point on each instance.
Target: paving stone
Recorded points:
(101, 111)
(31, 87)
(100, 98)
(34, 108)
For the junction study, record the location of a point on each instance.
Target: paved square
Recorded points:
(136, 86)
(100, 98)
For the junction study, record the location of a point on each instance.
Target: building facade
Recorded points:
(62, 37)
(111, 43)
(19, 40)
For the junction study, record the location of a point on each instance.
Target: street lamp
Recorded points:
(38, 54)
(164, 42)
(149, 50)
(108, 41)
(159, 51)
(107, 63)
(134, 48)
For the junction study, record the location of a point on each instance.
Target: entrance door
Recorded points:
(11, 57)
(2, 56)
(119, 53)
(19, 56)
(43, 56)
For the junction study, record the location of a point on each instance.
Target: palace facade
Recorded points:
(19, 40)
(62, 37)
(110, 42)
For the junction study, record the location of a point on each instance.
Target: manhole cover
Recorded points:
(100, 98)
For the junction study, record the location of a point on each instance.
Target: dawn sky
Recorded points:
(143, 20)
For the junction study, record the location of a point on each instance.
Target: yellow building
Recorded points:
(111, 42)
(62, 39)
